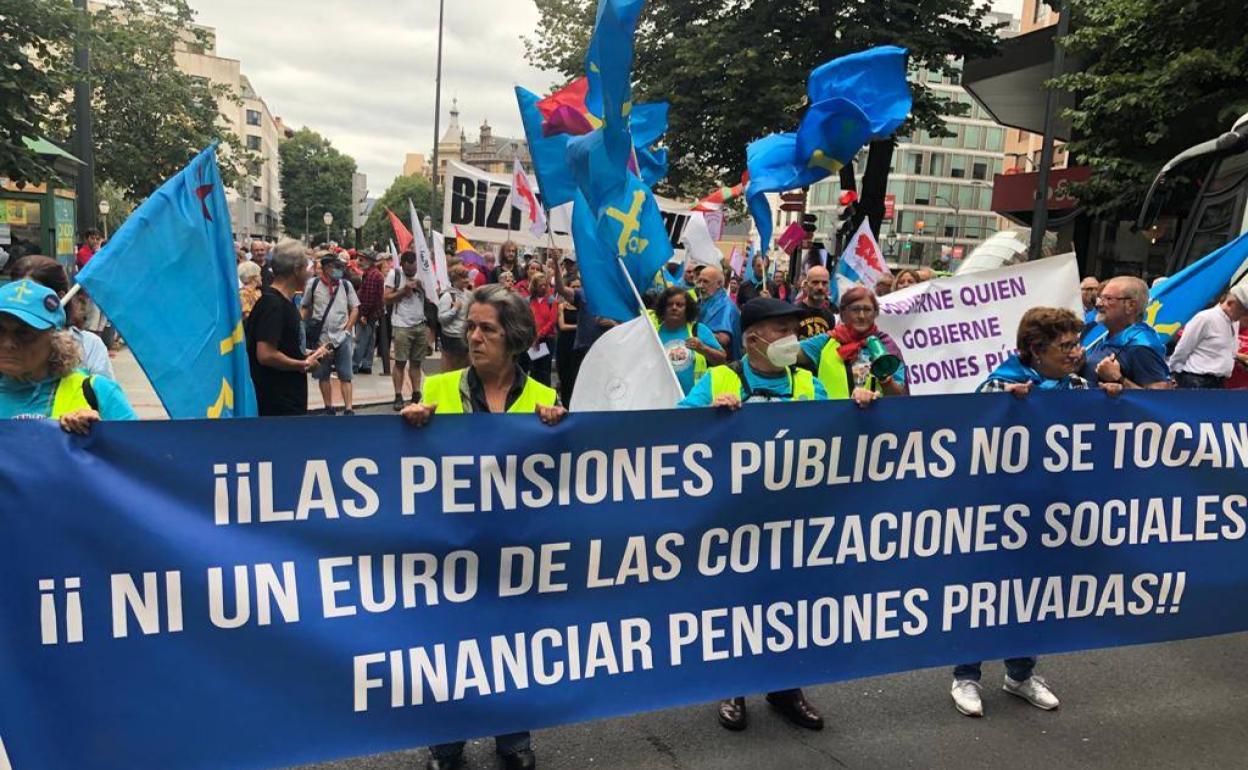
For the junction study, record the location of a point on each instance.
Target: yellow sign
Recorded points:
(17, 212)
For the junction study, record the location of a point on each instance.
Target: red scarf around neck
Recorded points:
(852, 341)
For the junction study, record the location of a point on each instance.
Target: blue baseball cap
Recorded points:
(33, 304)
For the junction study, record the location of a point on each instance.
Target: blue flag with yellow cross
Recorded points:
(168, 281)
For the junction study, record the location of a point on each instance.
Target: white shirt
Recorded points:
(1208, 344)
(94, 353)
(409, 312)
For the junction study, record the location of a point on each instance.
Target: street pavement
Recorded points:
(1175, 705)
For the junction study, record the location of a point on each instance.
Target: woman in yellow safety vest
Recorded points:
(843, 358)
(691, 346)
(499, 329)
(39, 360)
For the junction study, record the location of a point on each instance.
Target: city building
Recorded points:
(256, 207)
(489, 153)
(414, 164)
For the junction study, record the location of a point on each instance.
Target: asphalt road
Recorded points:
(1176, 705)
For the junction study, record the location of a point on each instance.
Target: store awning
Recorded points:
(1010, 85)
(45, 147)
(1013, 195)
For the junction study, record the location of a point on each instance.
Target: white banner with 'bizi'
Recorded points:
(477, 202)
(954, 331)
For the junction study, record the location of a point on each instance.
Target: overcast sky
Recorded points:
(362, 73)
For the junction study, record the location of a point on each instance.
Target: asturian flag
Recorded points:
(862, 260)
(167, 279)
(523, 198)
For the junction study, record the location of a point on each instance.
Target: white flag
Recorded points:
(862, 258)
(424, 260)
(439, 261)
(626, 370)
(522, 197)
(699, 245)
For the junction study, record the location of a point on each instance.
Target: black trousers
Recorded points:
(1192, 381)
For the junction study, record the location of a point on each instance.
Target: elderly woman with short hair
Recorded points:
(499, 330)
(39, 374)
(249, 285)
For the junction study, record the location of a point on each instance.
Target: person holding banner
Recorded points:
(691, 347)
(766, 373)
(1048, 356)
(39, 374)
(845, 358)
(1131, 353)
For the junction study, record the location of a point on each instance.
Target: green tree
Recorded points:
(33, 76)
(377, 230)
(1157, 76)
(316, 178)
(735, 70)
(149, 118)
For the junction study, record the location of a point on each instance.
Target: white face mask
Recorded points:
(783, 352)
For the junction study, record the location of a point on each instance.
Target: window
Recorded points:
(974, 138)
(995, 141)
(916, 163)
(966, 197)
(985, 199)
(923, 193)
(957, 166)
(979, 170)
(253, 142)
(259, 218)
(934, 76)
(997, 165)
(896, 188)
(1041, 12)
(945, 192)
(253, 117)
(254, 168)
(905, 222)
(951, 228)
(938, 164)
(256, 192)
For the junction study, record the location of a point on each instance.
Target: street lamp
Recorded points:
(307, 207)
(104, 209)
(328, 219)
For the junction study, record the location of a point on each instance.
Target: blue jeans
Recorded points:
(1018, 669)
(365, 335)
(504, 744)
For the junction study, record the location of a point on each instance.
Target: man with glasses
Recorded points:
(1131, 353)
(1089, 289)
(768, 372)
(1205, 355)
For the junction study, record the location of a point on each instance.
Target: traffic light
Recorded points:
(810, 223)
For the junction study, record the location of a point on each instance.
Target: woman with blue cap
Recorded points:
(40, 376)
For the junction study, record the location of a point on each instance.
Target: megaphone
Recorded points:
(883, 363)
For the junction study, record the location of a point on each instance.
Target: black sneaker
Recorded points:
(398, 403)
(348, 412)
(415, 398)
(331, 411)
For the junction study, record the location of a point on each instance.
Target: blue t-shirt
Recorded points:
(681, 357)
(781, 385)
(1141, 356)
(813, 348)
(33, 400)
(720, 314)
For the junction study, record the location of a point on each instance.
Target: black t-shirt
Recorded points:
(275, 320)
(816, 320)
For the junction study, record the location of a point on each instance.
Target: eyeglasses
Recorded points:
(1108, 298)
(1067, 347)
(858, 310)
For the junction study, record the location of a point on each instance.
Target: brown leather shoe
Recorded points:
(793, 706)
(732, 713)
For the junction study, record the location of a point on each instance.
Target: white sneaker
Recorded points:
(1033, 690)
(966, 697)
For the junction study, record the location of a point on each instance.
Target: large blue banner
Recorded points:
(263, 593)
